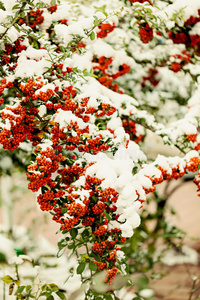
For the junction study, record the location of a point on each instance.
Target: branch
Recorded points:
(79, 39)
(13, 22)
(151, 128)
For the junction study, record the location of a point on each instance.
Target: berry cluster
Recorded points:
(145, 32)
(103, 69)
(153, 78)
(105, 29)
(9, 54)
(130, 128)
(179, 60)
(36, 18)
(183, 35)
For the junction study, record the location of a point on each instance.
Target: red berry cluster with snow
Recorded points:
(69, 90)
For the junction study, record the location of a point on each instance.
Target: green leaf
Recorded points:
(50, 297)
(20, 289)
(108, 297)
(22, 15)
(62, 48)
(19, 251)
(15, 6)
(71, 246)
(85, 235)
(141, 282)
(7, 279)
(42, 125)
(53, 287)
(73, 232)
(17, 282)
(85, 258)
(28, 288)
(129, 282)
(2, 257)
(92, 35)
(80, 268)
(92, 266)
(44, 287)
(61, 295)
(64, 210)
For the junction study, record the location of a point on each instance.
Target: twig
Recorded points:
(173, 189)
(154, 130)
(13, 22)
(192, 289)
(79, 39)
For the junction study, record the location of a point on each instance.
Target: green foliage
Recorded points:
(26, 291)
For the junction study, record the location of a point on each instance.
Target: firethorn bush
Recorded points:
(82, 85)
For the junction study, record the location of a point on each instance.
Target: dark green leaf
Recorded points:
(20, 289)
(108, 297)
(50, 297)
(80, 268)
(42, 125)
(85, 235)
(28, 288)
(92, 266)
(70, 246)
(61, 295)
(73, 232)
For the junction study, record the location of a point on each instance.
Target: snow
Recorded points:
(46, 144)
(65, 33)
(6, 163)
(13, 34)
(39, 250)
(32, 62)
(42, 110)
(146, 293)
(63, 118)
(180, 5)
(8, 4)
(188, 255)
(82, 62)
(16, 260)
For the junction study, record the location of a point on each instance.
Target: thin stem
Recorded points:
(174, 189)
(87, 250)
(36, 114)
(192, 290)
(78, 260)
(166, 187)
(195, 290)
(4, 291)
(79, 39)
(13, 22)
(154, 130)
(16, 271)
